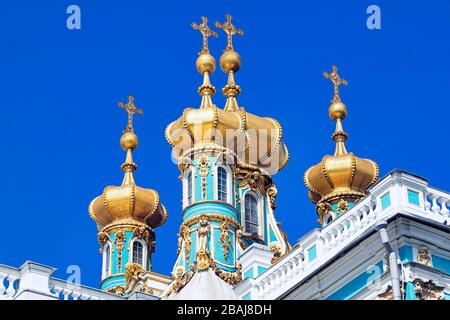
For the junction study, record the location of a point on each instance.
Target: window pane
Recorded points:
(189, 187)
(107, 259)
(251, 214)
(222, 184)
(137, 252)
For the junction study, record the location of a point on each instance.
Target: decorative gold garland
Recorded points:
(224, 239)
(119, 243)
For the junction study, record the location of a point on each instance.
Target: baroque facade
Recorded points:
(378, 239)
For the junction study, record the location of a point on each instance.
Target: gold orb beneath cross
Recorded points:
(337, 110)
(205, 63)
(129, 141)
(230, 60)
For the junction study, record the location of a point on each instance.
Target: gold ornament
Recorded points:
(276, 253)
(206, 33)
(224, 239)
(342, 206)
(272, 193)
(342, 176)
(230, 30)
(128, 203)
(203, 258)
(119, 243)
(131, 109)
(102, 237)
(203, 168)
(118, 290)
(232, 278)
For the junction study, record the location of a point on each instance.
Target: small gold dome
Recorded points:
(129, 141)
(128, 204)
(230, 60)
(337, 110)
(256, 140)
(205, 63)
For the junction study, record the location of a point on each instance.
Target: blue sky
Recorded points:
(61, 125)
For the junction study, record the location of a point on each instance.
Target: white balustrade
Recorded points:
(8, 282)
(337, 234)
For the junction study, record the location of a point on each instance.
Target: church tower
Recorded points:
(226, 158)
(126, 217)
(337, 182)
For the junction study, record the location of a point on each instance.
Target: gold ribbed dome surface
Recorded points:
(128, 203)
(255, 140)
(342, 176)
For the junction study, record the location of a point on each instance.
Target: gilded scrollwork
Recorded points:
(272, 193)
(118, 290)
(203, 258)
(203, 168)
(180, 280)
(183, 164)
(342, 206)
(232, 278)
(103, 237)
(142, 233)
(323, 208)
(119, 243)
(276, 252)
(254, 179)
(224, 238)
(186, 236)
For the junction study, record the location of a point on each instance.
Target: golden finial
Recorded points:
(230, 30)
(337, 81)
(206, 32)
(131, 109)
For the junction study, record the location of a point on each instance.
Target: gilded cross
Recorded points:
(206, 33)
(230, 30)
(131, 109)
(337, 81)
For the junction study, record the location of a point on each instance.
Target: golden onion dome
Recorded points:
(342, 177)
(255, 140)
(128, 203)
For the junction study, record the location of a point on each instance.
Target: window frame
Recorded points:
(144, 252)
(186, 202)
(107, 248)
(257, 213)
(228, 184)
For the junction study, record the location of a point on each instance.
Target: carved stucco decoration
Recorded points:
(428, 290)
(272, 193)
(423, 256)
(276, 253)
(102, 237)
(203, 258)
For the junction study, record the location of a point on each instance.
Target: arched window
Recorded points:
(107, 259)
(251, 213)
(222, 184)
(138, 255)
(189, 188)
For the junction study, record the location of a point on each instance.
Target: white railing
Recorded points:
(337, 235)
(437, 202)
(64, 290)
(8, 282)
(43, 286)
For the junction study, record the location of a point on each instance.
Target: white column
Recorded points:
(34, 282)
